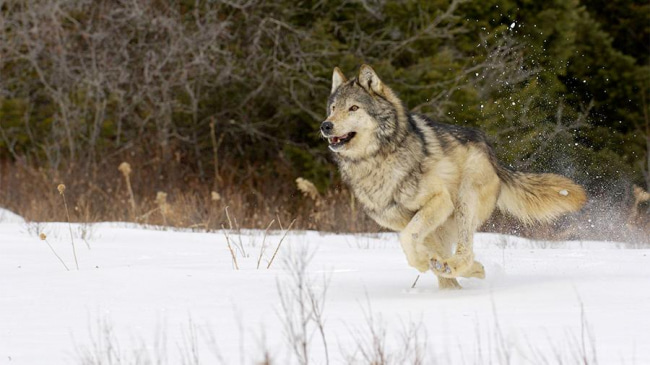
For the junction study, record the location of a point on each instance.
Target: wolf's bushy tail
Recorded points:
(538, 197)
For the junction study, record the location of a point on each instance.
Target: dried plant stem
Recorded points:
(147, 214)
(259, 259)
(125, 169)
(55, 254)
(67, 214)
(415, 282)
(228, 216)
(131, 196)
(232, 253)
(161, 200)
(215, 152)
(241, 244)
(279, 221)
(280, 243)
(164, 218)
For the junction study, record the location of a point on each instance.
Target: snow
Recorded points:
(148, 283)
(7, 216)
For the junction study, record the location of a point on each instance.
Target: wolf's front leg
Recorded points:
(414, 250)
(433, 213)
(462, 263)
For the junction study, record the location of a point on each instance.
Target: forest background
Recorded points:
(205, 105)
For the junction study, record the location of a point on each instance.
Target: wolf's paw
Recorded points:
(457, 265)
(475, 271)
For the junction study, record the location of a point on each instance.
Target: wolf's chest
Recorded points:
(385, 193)
(394, 217)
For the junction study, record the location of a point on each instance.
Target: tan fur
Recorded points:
(540, 197)
(433, 183)
(640, 195)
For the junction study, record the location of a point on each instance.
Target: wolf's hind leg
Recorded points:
(448, 283)
(460, 264)
(441, 244)
(477, 195)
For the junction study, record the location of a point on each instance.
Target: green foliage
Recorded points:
(556, 84)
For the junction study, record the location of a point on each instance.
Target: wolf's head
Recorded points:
(363, 115)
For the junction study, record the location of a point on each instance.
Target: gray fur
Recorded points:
(434, 183)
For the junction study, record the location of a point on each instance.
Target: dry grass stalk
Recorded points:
(308, 189)
(161, 201)
(215, 152)
(228, 217)
(280, 243)
(266, 231)
(61, 189)
(241, 244)
(277, 216)
(125, 169)
(232, 253)
(415, 282)
(44, 238)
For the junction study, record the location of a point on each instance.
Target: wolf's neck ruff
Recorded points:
(385, 180)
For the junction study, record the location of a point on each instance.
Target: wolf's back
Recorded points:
(538, 197)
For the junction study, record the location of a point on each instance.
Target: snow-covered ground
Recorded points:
(146, 293)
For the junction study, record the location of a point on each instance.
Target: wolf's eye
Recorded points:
(353, 108)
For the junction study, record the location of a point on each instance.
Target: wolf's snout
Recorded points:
(326, 127)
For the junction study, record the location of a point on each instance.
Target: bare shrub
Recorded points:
(374, 344)
(302, 306)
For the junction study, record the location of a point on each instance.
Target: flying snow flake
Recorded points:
(512, 25)
(564, 192)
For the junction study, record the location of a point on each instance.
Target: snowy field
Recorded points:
(147, 295)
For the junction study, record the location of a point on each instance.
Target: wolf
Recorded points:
(433, 183)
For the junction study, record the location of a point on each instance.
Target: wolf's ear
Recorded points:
(369, 80)
(337, 79)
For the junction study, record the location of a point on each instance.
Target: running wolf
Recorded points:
(434, 183)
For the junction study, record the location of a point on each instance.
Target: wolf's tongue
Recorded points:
(335, 140)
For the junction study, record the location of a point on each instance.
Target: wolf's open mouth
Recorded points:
(341, 140)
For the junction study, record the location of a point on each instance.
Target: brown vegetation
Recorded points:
(259, 203)
(208, 104)
(252, 203)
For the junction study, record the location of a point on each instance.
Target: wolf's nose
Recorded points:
(327, 127)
